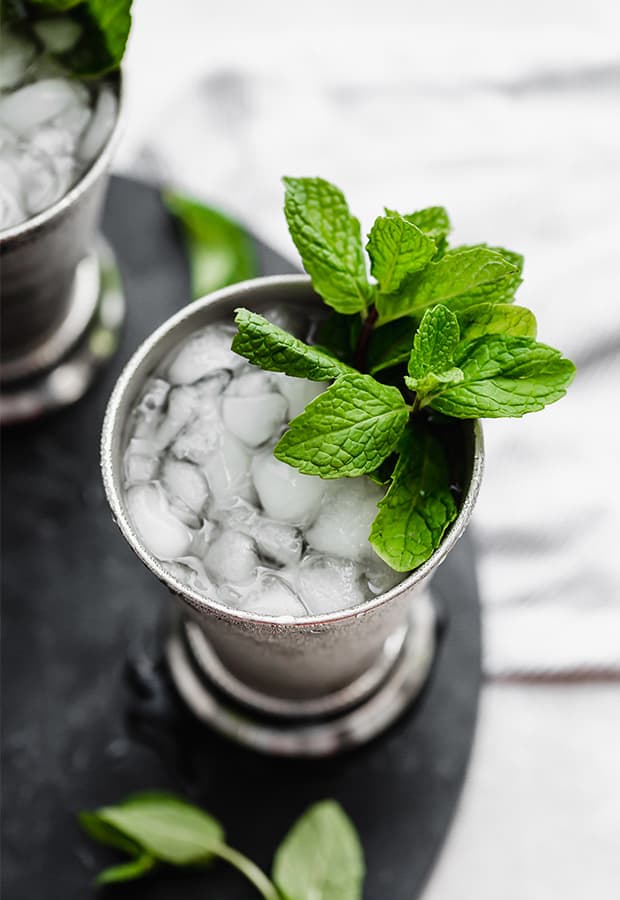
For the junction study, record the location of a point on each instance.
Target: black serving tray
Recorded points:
(88, 711)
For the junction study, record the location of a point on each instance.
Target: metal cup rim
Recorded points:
(112, 424)
(90, 176)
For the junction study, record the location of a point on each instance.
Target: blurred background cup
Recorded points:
(341, 678)
(60, 298)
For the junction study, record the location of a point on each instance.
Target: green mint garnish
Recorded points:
(329, 242)
(321, 857)
(436, 330)
(276, 350)
(347, 430)
(418, 506)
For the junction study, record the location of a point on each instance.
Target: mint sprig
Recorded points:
(437, 330)
(320, 857)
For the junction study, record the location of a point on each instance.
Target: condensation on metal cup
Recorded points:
(308, 686)
(61, 303)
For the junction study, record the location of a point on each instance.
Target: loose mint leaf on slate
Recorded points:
(418, 506)
(105, 28)
(166, 827)
(390, 345)
(433, 221)
(460, 279)
(338, 334)
(347, 430)
(329, 242)
(504, 376)
(274, 349)
(497, 318)
(220, 251)
(127, 871)
(397, 248)
(321, 857)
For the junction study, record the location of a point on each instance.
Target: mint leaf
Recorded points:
(504, 376)
(275, 350)
(497, 318)
(418, 507)
(321, 857)
(329, 242)
(127, 871)
(433, 221)
(347, 430)
(434, 343)
(390, 345)
(460, 279)
(220, 251)
(166, 827)
(105, 28)
(511, 256)
(397, 248)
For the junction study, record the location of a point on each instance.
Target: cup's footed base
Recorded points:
(60, 371)
(323, 727)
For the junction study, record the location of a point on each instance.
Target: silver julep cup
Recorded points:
(300, 686)
(58, 286)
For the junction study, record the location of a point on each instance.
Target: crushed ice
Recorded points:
(212, 503)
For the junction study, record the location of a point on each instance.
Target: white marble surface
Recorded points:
(511, 119)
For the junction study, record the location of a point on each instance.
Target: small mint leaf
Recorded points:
(127, 871)
(329, 242)
(347, 430)
(504, 376)
(460, 279)
(434, 343)
(497, 318)
(274, 349)
(511, 256)
(433, 221)
(397, 248)
(429, 384)
(321, 857)
(418, 507)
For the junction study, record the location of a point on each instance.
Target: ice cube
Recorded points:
(12, 211)
(190, 571)
(186, 482)
(72, 122)
(271, 595)
(181, 409)
(326, 584)
(250, 383)
(227, 469)
(53, 141)
(232, 557)
(380, 576)
(40, 182)
(203, 353)
(33, 105)
(298, 392)
(149, 410)
(286, 494)
(161, 531)
(344, 520)
(100, 126)
(140, 461)
(17, 54)
(277, 541)
(254, 419)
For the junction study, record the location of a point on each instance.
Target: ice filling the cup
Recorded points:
(211, 502)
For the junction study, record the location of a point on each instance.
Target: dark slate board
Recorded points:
(88, 715)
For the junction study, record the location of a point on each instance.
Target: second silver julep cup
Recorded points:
(303, 686)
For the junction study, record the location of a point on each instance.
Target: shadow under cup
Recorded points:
(306, 685)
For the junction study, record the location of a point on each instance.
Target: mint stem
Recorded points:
(359, 360)
(251, 871)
